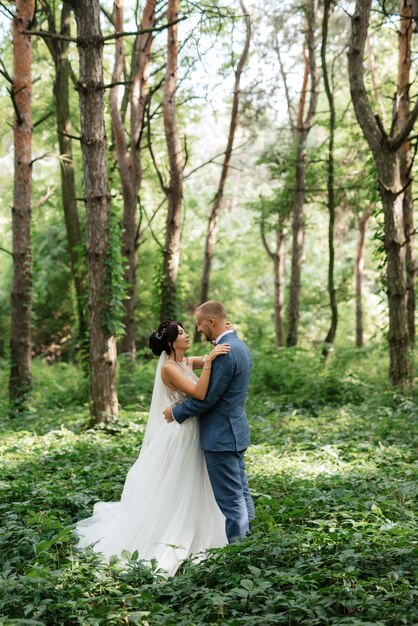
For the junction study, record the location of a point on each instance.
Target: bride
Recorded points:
(167, 510)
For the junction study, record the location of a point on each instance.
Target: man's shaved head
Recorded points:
(212, 308)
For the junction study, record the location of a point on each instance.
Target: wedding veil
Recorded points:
(159, 402)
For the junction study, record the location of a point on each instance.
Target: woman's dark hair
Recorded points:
(164, 337)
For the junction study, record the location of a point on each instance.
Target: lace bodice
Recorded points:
(176, 397)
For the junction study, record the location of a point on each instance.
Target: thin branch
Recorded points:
(3, 6)
(153, 235)
(264, 238)
(42, 119)
(115, 84)
(43, 156)
(290, 111)
(50, 192)
(154, 161)
(6, 251)
(212, 160)
(19, 117)
(60, 132)
(95, 40)
(107, 14)
(5, 73)
(403, 134)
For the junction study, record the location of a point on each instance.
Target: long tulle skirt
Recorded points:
(167, 510)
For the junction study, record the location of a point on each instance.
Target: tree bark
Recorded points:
(386, 152)
(278, 257)
(175, 157)
(20, 381)
(359, 276)
(59, 53)
(128, 154)
(300, 134)
(211, 234)
(405, 33)
(329, 339)
(103, 398)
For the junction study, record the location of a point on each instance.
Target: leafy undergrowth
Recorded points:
(334, 477)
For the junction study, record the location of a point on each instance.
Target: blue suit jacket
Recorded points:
(223, 420)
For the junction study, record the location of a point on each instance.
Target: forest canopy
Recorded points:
(259, 155)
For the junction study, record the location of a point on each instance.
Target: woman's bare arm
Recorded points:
(175, 379)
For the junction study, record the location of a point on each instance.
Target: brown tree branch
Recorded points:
(403, 136)
(6, 251)
(359, 96)
(82, 41)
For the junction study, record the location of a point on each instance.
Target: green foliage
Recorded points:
(334, 484)
(116, 287)
(53, 312)
(299, 379)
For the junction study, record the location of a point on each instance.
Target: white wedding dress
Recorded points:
(167, 510)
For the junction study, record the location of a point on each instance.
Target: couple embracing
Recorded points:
(187, 491)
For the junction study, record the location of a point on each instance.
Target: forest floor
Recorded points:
(332, 468)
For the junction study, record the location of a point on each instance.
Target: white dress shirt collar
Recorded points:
(226, 332)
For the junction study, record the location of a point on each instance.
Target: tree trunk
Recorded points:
(386, 152)
(400, 366)
(278, 256)
(20, 382)
(300, 134)
(103, 398)
(329, 339)
(298, 230)
(211, 234)
(128, 159)
(279, 287)
(69, 202)
(359, 276)
(175, 157)
(404, 69)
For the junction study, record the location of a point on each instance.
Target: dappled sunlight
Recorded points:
(334, 487)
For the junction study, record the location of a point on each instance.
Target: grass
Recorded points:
(332, 468)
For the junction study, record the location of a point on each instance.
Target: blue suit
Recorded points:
(225, 434)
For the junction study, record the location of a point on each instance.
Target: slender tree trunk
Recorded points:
(400, 366)
(211, 234)
(300, 133)
(278, 257)
(386, 152)
(128, 157)
(103, 398)
(279, 287)
(298, 230)
(69, 202)
(359, 276)
(175, 157)
(20, 382)
(405, 33)
(329, 339)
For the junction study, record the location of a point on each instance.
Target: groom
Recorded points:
(224, 431)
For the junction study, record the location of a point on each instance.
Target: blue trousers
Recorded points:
(230, 486)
